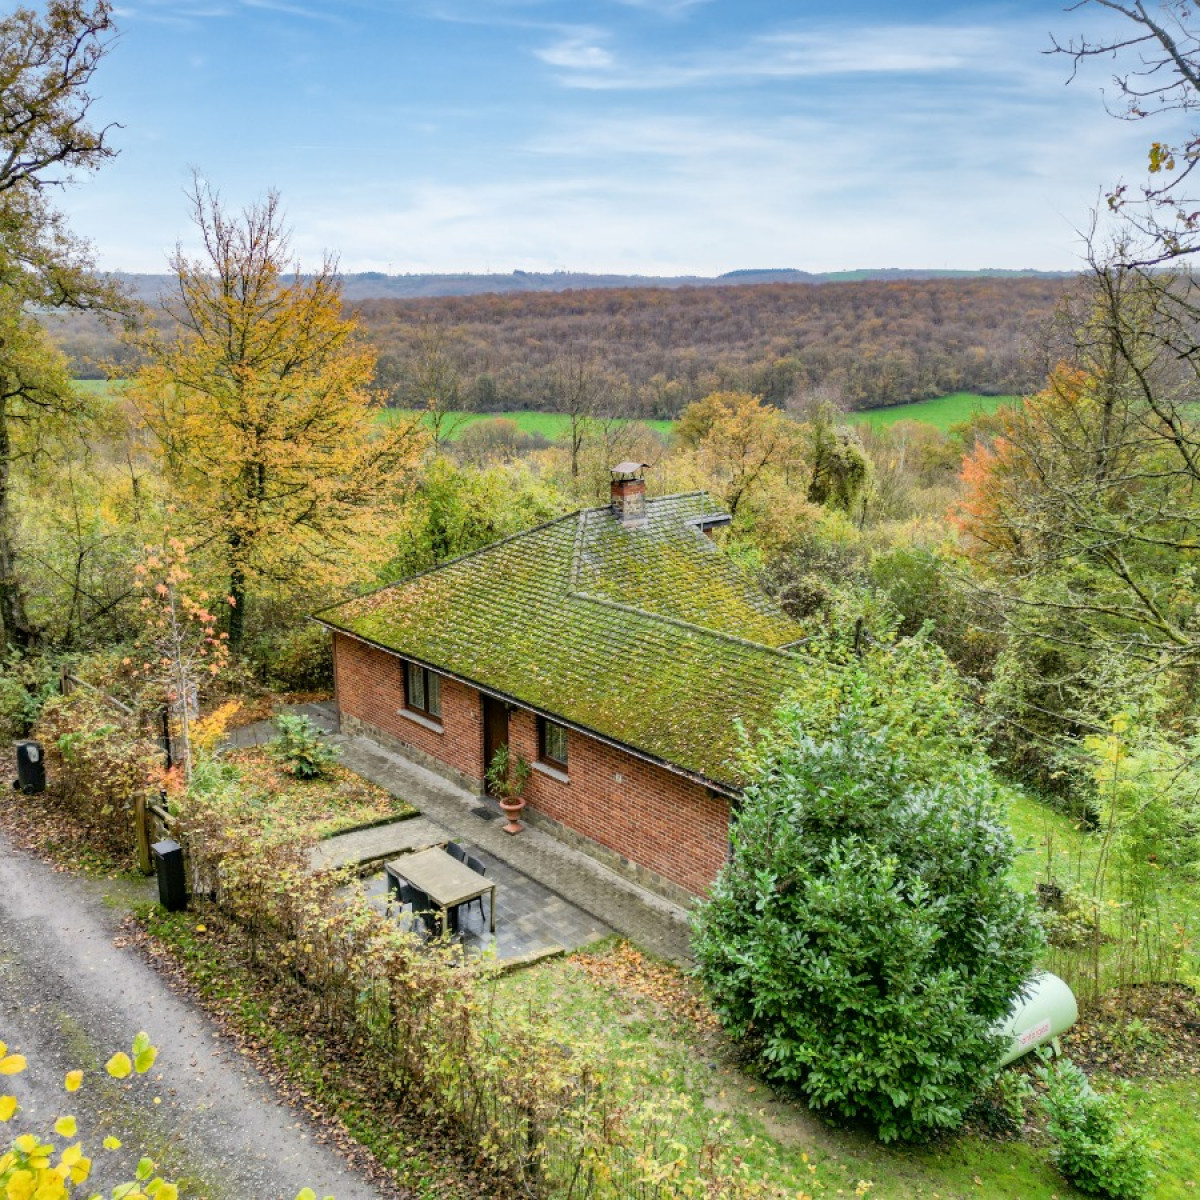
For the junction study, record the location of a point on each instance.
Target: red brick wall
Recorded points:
(649, 815)
(654, 818)
(370, 686)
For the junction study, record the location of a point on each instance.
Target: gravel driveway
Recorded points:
(70, 998)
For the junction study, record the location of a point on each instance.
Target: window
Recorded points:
(422, 690)
(552, 741)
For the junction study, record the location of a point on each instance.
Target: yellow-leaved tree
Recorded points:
(257, 391)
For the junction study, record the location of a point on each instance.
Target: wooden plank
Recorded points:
(140, 817)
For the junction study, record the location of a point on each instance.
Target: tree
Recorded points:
(178, 639)
(261, 408)
(432, 383)
(864, 935)
(841, 469)
(1164, 44)
(739, 438)
(46, 65)
(1084, 509)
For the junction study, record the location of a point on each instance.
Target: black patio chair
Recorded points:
(456, 851)
(478, 867)
(427, 919)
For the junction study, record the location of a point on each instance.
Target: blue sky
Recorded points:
(645, 136)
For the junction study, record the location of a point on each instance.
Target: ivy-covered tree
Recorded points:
(864, 936)
(46, 65)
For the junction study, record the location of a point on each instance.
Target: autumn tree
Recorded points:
(739, 438)
(179, 645)
(432, 383)
(1083, 521)
(46, 65)
(259, 400)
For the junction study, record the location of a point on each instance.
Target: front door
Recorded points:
(495, 730)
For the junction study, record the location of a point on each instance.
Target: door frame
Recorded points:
(493, 712)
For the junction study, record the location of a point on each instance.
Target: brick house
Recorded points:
(617, 649)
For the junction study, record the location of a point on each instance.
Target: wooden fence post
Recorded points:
(143, 835)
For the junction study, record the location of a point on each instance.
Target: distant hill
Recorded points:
(375, 285)
(650, 347)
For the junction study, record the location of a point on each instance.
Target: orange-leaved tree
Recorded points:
(179, 642)
(259, 399)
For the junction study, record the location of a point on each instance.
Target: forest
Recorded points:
(652, 351)
(992, 767)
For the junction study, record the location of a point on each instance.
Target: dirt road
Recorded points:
(69, 998)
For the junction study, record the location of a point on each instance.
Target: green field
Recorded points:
(941, 412)
(552, 426)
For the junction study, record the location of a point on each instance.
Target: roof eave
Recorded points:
(729, 790)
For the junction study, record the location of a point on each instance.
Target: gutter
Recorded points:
(727, 790)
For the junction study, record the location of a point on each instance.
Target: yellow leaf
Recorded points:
(73, 1081)
(12, 1064)
(112, 1143)
(65, 1127)
(145, 1060)
(119, 1066)
(8, 1106)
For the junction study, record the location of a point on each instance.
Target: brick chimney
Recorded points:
(628, 493)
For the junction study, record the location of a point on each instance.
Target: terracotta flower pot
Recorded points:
(512, 810)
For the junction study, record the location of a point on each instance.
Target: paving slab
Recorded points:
(379, 842)
(608, 899)
(531, 921)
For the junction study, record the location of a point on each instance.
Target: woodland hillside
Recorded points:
(649, 352)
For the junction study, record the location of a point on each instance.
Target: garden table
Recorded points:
(445, 880)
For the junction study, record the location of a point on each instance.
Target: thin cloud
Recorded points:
(580, 52)
(804, 53)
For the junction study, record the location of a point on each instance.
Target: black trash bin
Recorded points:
(31, 768)
(172, 885)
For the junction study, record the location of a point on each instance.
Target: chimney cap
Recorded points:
(629, 470)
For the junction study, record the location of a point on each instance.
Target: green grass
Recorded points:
(699, 1078)
(552, 426)
(97, 387)
(941, 412)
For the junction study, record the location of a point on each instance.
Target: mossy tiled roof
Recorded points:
(651, 637)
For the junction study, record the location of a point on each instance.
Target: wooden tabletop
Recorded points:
(445, 880)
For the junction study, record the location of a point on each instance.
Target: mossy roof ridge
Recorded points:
(671, 569)
(512, 618)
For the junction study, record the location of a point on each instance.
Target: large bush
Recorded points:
(864, 935)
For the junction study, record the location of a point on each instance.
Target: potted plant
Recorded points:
(506, 776)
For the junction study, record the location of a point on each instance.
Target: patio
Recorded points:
(548, 894)
(531, 921)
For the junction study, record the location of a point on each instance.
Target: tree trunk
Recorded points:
(237, 597)
(15, 626)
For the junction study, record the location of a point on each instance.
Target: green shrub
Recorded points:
(301, 747)
(299, 659)
(1000, 1107)
(1096, 1150)
(26, 682)
(864, 934)
(97, 766)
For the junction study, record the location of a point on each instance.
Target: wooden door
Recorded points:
(495, 729)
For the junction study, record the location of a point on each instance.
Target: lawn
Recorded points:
(646, 1016)
(627, 1006)
(275, 801)
(942, 412)
(552, 426)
